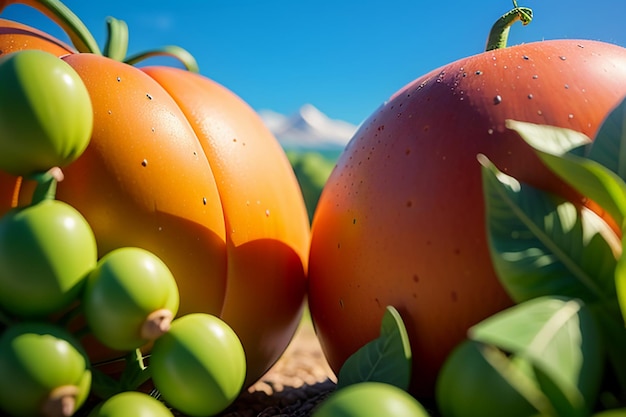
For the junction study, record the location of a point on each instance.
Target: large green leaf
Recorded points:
(609, 145)
(385, 359)
(560, 339)
(589, 177)
(541, 244)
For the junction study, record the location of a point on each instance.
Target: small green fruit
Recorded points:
(199, 366)
(44, 371)
(46, 116)
(130, 298)
(131, 403)
(370, 399)
(46, 251)
(468, 386)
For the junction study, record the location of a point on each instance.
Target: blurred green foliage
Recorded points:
(312, 170)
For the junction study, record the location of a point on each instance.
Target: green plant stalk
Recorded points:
(78, 33)
(499, 34)
(176, 52)
(117, 41)
(46, 185)
(116, 45)
(135, 373)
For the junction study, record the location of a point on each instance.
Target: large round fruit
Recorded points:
(401, 220)
(182, 167)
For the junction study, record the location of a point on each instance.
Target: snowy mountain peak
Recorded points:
(310, 114)
(308, 128)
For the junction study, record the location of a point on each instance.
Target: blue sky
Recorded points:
(344, 57)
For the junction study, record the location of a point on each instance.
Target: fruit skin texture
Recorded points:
(45, 113)
(36, 358)
(126, 286)
(401, 219)
(370, 399)
(46, 251)
(199, 366)
(131, 403)
(184, 168)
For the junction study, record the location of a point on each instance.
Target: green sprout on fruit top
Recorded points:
(499, 35)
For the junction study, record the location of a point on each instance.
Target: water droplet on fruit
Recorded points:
(267, 212)
(478, 72)
(530, 96)
(144, 163)
(563, 58)
(581, 46)
(341, 303)
(525, 57)
(566, 86)
(570, 116)
(535, 77)
(149, 96)
(497, 99)
(204, 201)
(490, 131)
(119, 79)
(539, 112)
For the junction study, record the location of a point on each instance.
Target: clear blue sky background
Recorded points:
(344, 57)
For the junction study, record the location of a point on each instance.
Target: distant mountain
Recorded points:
(308, 128)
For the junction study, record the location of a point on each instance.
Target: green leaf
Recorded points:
(541, 244)
(386, 359)
(560, 339)
(103, 385)
(609, 145)
(588, 177)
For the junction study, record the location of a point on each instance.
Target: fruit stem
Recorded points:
(180, 54)
(78, 33)
(117, 40)
(46, 185)
(157, 323)
(499, 34)
(61, 402)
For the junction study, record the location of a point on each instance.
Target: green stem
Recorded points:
(135, 373)
(46, 184)
(78, 33)
(499, 34)
(173, 51)
(117, 42)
